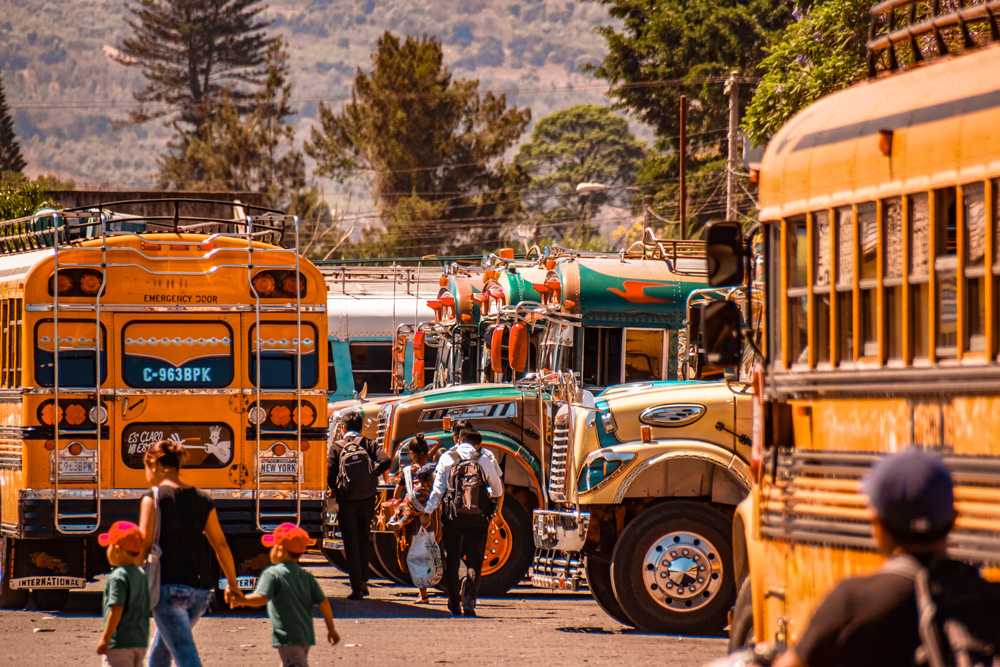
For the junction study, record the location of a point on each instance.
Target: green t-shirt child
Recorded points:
(127, 586)
(291, 594)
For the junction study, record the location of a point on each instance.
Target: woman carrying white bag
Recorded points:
(423, 555)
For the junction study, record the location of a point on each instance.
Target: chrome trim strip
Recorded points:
(667, 456)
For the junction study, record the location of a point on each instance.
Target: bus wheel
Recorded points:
(599, 582)
(10, 598)
(672, 569)
(510, 546)
(375, 565)
(387, 553)
(336, 558)
(741, 633)
(50, 599)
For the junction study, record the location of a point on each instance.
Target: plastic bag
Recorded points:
(424, 560)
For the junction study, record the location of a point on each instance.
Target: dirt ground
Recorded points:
(527, 628)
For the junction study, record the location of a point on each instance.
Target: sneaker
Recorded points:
(468, 602)
(356, 595)
(469, 611)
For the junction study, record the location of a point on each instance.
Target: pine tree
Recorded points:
(190, 52)
(431, 147)
(10, 152)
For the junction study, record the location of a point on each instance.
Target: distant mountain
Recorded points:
(64, 91)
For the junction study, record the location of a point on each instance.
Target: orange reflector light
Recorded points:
(433, 304)
(280, 415)
(75, 414)
(448, 300)
(308, 415)
(205, 247)
(442, 281)
(90, 282)
(304, 446)
(550, 264)
(466, 318)
(278, 449)
(65, 283)
(263, 284)
(179, 246)
(570, 304)
(293, 283)
(75, 449)
(506, 253)
(50, 445)
(150, 246)
(647, 433)
(48, 414)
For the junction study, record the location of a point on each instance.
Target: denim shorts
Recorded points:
(176, 614)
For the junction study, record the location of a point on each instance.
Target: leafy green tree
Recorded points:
(432, 149)
(10, 151)
(252, 153)
(191, 52)
(20, 196)
(823, 51)
(669, 48)
(583, 143)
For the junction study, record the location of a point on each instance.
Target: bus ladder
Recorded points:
(81, 519)
(267, 521)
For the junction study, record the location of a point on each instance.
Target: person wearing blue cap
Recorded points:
(874, 620)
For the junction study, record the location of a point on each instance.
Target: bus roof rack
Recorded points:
(907, 33)
(48, 227)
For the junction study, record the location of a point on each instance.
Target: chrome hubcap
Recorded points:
(682, 571)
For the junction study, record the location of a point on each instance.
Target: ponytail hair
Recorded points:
(169, 453)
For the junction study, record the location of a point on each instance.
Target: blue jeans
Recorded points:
(175, 614)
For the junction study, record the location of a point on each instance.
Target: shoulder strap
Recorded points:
(408, 479)
(931, 642)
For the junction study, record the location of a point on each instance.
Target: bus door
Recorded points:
(178, 381)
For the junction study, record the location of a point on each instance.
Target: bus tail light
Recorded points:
(263, 284)
(98, 414)
(256, 415)
(280, 415)
(278, 449)
(75, 414)
(65, 284)
(303, 446)
(308, 415)
(49, 416)
(90, 282)
(50, 445)
(294, 284)
(75, 448)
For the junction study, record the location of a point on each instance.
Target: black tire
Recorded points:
(375, 565)
(599, 582)
(10, 598)
(510, 570)
(336, 558)
(385, 551)
(696, 546)
(50, 599)
(741, 632)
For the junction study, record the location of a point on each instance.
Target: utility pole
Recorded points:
(732, 88)
(683, 156)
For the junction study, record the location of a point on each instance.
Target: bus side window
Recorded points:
(868, 278)
(797, 297)
(822, 271)
(919, 228)
(945, 270)
(331, 368)
(371, 363)
(602, 356)
(995, 187)
(846, 248)
(892, 233)
(974, 219)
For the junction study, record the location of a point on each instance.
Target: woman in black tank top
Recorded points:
(189, 527)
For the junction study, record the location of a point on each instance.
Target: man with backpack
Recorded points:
(469, 488)
(354, 464)
(921, 608)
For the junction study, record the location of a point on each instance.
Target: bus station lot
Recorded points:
(528, 627)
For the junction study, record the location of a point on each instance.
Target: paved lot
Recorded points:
(529, 627)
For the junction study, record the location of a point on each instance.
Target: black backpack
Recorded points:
(356, 475)
(467, 493)
(957, 612)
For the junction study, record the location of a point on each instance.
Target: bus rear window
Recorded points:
(177, 354)
(279, 361)
(77, 353)
(371, 363)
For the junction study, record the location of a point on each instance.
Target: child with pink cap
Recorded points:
(290, 593)
(126, 599)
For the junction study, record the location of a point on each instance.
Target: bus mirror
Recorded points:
(517, 348)
(724, 250)
(496, 348)
(720, 328)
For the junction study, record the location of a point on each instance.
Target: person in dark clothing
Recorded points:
(189, 527)
(355, 514)
(874, 620)
(464, 536)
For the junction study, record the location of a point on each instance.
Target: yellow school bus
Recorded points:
(880, 211)
(132, 322)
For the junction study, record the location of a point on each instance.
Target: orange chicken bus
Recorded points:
(132, 322)
(880, 213)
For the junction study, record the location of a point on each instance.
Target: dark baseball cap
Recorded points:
(911, 493)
